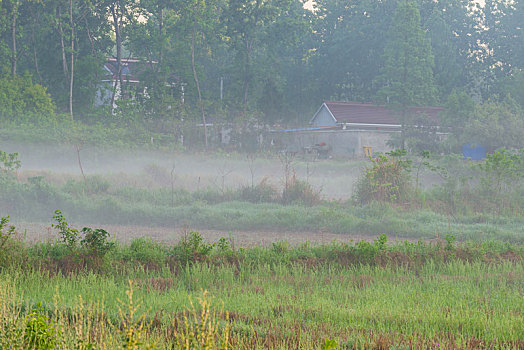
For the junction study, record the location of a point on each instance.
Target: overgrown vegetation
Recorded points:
(387, 180)
(475, 201)
(281, 296)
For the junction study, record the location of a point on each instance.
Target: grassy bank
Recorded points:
(37, 199)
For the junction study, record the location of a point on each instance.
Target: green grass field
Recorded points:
(363, 295)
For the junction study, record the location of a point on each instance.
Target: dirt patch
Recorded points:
(42, 232)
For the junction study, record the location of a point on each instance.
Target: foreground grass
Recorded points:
(367, 295)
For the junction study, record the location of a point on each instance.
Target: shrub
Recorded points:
(192, 248)
(387, 180)
(300, 191)
(20, 98)
(9, 162)
(145, 251)
(502, 171)
(6, 235)
(39, 333)
(262, 192)
(95, 185)
(68, 234)
(95, 241)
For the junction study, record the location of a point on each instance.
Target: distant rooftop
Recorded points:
(369, 113)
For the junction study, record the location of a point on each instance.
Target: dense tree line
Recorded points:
(274, 60)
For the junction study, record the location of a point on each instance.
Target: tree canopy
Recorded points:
(271, 60)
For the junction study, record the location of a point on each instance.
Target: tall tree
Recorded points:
(407, 74)
(349, 42)
(199, 20)
(451, 30)
(246, 22)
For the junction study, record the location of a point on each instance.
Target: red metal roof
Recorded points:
(369, 113)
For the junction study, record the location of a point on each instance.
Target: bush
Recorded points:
(6, 235)
(68, 235)
(262, 192)
(95, 184)
(9, 162)
(191, 248)
(387, 180)
(298, 191)
(38, 332)
(146, 252)
(95, 241)
(20, 98)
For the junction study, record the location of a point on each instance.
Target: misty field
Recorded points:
(289, 254)
(129, 193)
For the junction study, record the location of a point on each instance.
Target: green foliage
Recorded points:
(407, 75)
(503, 171)
(133, 325)
(279, 247)
(366, 252)
(387, 180)
(299, 191)
(381, 241)
(68, 235)
(329, 344)
(95, 240)
(201, 329)
(224, 245)
(458, 109)
(39, 333)
(192, 247)
(425, 163)
(450, 241)
(144, 250)
(6, 232)
(23, 101)
(9, 162)
(261, 192)
(6, 238)
(495, 125)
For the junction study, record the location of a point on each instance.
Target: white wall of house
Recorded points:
(323, 117)
(343, 143)
(104, 93)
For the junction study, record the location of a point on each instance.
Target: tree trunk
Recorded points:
(195, 76)
(72, 75)
(161, 30)
(118, 38)
(247, 77)
(14, 53)
(35, 58)
(62, 45)
(93, 51)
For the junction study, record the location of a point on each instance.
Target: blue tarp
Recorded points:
(473, 152)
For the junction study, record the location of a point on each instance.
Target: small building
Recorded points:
(351, 128)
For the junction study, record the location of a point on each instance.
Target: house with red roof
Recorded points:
(353, 129)
(367, 116)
